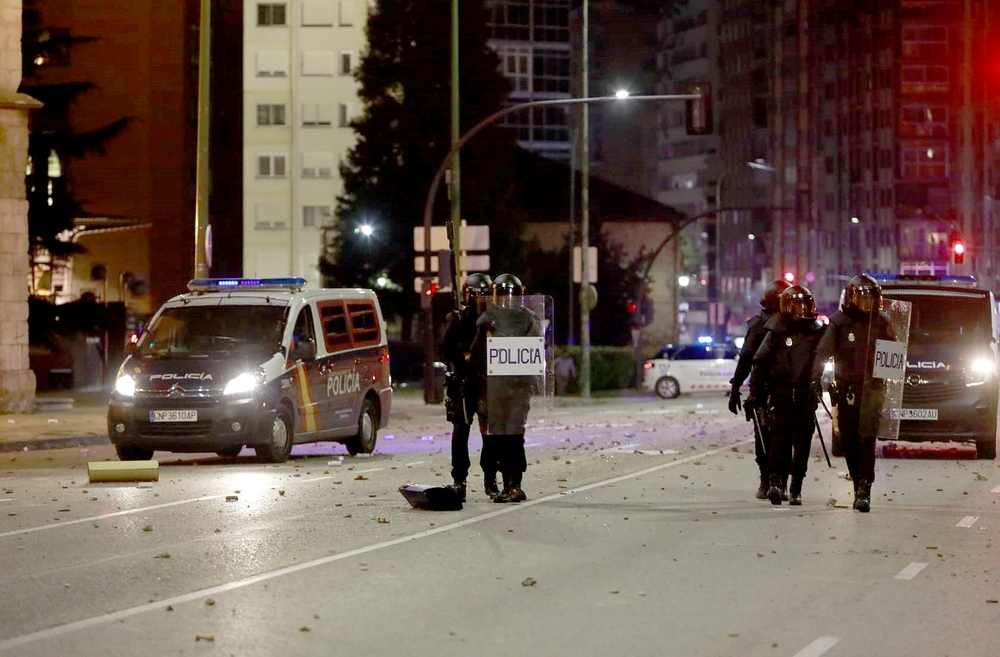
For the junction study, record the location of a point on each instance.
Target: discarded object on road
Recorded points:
(431, 498)
(123, 471)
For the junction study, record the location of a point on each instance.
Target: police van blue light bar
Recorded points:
(216, 284)
(954, 280)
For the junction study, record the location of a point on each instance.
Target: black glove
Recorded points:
(734, 401)
(816, 390)
(749, 405)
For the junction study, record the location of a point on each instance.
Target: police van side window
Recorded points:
(364, 323)
(333, 317)
(303, 332)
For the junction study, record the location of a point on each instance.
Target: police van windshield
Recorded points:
(193, 331)
(950, 318)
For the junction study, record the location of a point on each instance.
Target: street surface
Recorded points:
(641, 536)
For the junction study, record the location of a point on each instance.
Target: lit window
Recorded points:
(271, 14)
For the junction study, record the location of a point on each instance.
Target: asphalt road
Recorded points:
(641, 536)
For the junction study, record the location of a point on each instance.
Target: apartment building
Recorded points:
(299, 96)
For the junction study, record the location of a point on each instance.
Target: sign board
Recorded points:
(515, 356)
(470, 238)
(890, 360)
(475, 263)
(578, 264)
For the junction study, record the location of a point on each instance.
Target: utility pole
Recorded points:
(585, 209)
(456, 134)
(201, 163)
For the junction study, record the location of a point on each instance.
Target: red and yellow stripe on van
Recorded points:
(310, 409)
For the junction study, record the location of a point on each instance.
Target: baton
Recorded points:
(823, 444)
(829, 414)
(757, 431)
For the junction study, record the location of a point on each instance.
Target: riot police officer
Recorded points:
(769, 306)
(456, 347)
(504, 401)
(782, 383)
(856, 395)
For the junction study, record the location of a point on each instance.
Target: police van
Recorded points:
(952, 380)
(264, 363)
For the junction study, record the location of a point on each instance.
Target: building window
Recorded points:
(343, 115)
(270, 115)
(272, 63)
(267, 216)
(317, 164)
(922, 162)
(346, 12)
(316, 215)
(317, 114)
(317, 13)
(346, 67)
(317, 62)
(271, 14)
(270, 166)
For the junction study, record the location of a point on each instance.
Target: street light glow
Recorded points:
(621, 93)
(855, 220)
(683, 281)
(366, 230)
(751, 236)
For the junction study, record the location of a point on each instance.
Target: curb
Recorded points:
(53, 443)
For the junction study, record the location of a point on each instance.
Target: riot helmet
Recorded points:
(862, 297)
(476, 290)
(797, 303)
(770, 302)
(507, 290)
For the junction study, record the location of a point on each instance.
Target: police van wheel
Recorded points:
(364, 442)
(131, 452)
(668, 388)
(987, 449)
(277, 449)
(229, 452)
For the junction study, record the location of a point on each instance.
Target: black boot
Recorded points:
(762, 489)
(784, 488)
(795, 492)
(774, 491)
(862, 498)
(503, 496)
(855, 493)
(490, 485)
(515, 494)
(459, 488)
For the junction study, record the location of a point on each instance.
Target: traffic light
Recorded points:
(958, 252)
(632, 309)
(699, 111)
(790, 276)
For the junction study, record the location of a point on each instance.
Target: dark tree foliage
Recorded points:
(404, 135)
(52, 207)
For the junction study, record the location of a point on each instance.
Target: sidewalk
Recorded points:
(71, 418)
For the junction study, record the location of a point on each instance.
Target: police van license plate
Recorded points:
(173, 416)
(915, 414)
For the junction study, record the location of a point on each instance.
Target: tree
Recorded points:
(53, 144)
(404, 134)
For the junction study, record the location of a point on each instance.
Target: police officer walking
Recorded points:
(782, 383)
(456, 347)
(769, 307)
(504, 401)
(848, 340)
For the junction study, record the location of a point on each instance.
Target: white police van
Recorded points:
(264, 363)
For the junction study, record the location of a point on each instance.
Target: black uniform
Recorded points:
(782, 379)
(751, 343)
(503, 402)
(850, 340)
(456, 347)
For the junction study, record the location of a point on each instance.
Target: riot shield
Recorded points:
(517, 363)
(882, 394)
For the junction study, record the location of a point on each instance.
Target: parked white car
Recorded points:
(680, 369)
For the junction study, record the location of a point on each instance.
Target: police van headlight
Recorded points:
(125, 385)
(242, 384)
(980, 370)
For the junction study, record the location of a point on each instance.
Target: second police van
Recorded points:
(262, 363)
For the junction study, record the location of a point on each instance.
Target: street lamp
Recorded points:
(436, 183)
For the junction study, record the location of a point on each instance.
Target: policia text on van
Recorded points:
(258, 362)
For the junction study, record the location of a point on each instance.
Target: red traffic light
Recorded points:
(432, 290)
(958, 249)
(631, 307)
(790, 277)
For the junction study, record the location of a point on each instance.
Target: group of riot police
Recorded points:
(490, 308)
(784, 354)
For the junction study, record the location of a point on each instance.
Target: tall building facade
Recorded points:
(532, 39)
(299, 97)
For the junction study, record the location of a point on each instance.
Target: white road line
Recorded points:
(967, 521)
(368, 470)
(159, 605)
(818, 647)
(410, 465)
(910, 571)
(996, 490)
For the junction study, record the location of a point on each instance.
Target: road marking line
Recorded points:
(410, 465)
(996, 490)
(818, 647)
(159, 605)
(967, 521)
(369, 470)
(910, 571)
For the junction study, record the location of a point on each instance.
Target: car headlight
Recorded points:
(980, 370)
(243, 383)
(125, 386)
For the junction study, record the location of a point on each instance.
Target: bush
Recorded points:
(611, 368)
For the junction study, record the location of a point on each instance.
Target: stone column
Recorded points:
(17, 381)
